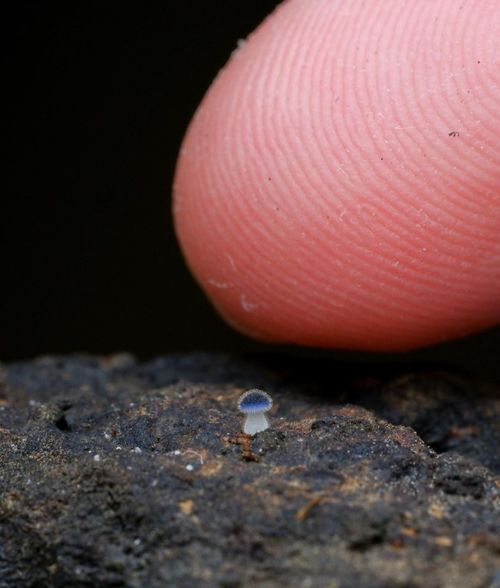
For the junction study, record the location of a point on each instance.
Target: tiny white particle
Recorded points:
(154, 483)
(107, 436)
(177, 452)
(137, 450)
(118, 447)
(231, 262)
(137, 541)
(190, 467)
(131, 404)
(33, 403)
(247, 305)
(240, 43)
(97, 457)
(129, 467)
(217, 284)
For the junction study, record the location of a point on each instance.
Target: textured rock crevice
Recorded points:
(115, 473)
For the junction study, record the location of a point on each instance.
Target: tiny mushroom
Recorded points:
(254, 404)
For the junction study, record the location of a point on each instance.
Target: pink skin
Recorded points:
(321, 197)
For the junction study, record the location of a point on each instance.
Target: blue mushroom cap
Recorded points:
(255, 401)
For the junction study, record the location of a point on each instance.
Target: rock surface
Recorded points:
(115, 473)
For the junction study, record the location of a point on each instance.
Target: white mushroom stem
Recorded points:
(255, 422)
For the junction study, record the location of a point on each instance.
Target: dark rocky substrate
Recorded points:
(115, 473)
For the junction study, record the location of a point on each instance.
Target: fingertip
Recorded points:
(338, 186)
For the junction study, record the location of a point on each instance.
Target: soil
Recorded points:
(119, 473)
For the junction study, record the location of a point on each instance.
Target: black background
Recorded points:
(99, 95)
